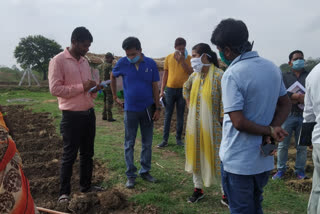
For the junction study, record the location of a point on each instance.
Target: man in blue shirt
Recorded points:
(255, 105)
(293, 123)
(141, 94)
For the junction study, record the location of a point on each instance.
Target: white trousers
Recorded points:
(314, 200)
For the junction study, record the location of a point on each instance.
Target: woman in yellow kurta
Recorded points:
(202, 92)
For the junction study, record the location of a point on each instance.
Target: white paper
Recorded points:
(161, 102)
(103, 84)
(297, 88)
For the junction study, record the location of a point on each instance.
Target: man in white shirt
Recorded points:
(311, 114)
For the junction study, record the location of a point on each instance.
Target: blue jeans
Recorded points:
(174, 96)
(293, 123)
(244, 192)
(131, 123)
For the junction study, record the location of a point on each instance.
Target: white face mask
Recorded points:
(197, 64)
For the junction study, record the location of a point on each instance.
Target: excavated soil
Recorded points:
(41, 149)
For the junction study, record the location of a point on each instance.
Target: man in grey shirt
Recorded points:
(294, 121)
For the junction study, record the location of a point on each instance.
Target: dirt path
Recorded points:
(41, 148)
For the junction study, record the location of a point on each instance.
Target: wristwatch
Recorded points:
(158, 108)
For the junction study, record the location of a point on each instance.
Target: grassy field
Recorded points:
(169, 195)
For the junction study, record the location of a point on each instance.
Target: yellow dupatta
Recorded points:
(200, 147)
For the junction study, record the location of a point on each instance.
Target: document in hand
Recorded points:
(305, 138)
(103, 84)
(163, 101)
(297, 88)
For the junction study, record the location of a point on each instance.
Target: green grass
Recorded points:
(175, 185)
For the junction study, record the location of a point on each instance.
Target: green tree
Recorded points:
(284, 67)
(311, 63)
(35, 52)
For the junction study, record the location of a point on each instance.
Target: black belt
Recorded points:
(89, 111)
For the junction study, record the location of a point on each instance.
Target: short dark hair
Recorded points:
(131, 42)
(294, 52)
(180, 41)
(203, 48)
(81, 34)
(233, 34)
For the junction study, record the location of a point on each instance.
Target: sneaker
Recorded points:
(148, 177)
(224, 201)
(111, 120)
(196, 196)
(130, 183)
(162, 144)
(180, 143)
(278, 175)
(300, 175)
(104, 118)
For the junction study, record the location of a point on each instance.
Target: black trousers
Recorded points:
(78, 129)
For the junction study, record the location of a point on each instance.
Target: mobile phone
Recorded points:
(150, 111)
(268, 148)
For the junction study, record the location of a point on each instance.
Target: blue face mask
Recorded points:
(223, 59)
(134, 60)
(298, 64)
(185, 54)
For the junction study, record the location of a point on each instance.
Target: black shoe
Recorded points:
(148, 177)
(162, 144)
(111, 120)
(130, 183)
(224, 201)
(196, 196)
(180, 143)
(93, 189)
(104, 118)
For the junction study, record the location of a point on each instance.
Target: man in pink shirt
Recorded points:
(70, 80)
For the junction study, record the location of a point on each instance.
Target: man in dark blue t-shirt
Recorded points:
(141, 94)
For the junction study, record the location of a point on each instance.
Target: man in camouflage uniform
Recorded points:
(105, 70)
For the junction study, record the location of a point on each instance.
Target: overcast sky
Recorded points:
(276, 26)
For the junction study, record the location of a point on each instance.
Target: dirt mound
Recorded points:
(97, 202)
(300, 185)
(41, 149)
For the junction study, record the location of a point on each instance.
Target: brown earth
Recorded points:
(41, 148)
